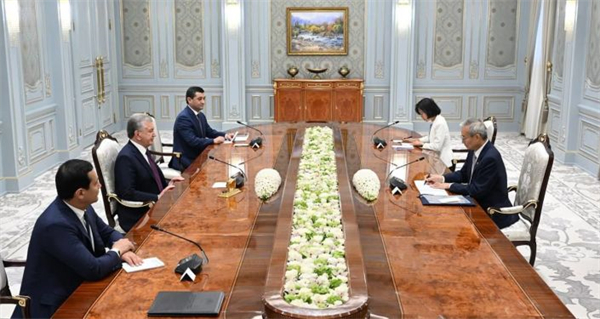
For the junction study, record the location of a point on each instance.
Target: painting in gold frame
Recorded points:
(317, 31)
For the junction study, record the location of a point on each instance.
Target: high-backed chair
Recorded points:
(158, 153)
(492, 129)
(104, 153)
(6, 296)
(530, 193)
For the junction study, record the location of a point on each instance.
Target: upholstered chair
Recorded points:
(158, 154)
(492, 129)
(104, 153)
(530, 193)
(7, 300)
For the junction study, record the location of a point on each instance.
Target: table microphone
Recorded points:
(240, 177)
(256, 142)
(193, 262)
(397, 184)
(378, 142)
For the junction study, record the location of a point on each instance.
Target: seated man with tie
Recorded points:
(483, 176)
(68, 243)
(137, 177)
(191, 132)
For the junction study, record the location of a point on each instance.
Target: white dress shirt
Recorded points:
(142, 150)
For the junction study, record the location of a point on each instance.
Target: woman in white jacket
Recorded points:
(438, 139)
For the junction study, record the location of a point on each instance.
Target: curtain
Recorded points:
(536, 107)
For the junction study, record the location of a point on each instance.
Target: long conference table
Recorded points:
(419, 261)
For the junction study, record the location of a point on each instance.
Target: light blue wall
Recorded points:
(43, 127)
(574, 100)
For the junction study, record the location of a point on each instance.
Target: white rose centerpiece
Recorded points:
(317, 272)
(367, 184)
(266, 183)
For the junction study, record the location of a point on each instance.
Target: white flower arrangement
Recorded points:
(367, 184)
(317, 273)
(266, 183)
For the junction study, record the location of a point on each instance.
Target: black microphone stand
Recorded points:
(156, 227)
(380, 143)
(396, 182)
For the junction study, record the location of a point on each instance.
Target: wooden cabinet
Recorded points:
(318, 100)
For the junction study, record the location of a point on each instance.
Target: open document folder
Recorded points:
(436, 196)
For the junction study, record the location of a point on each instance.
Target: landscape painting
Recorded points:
(317, 31)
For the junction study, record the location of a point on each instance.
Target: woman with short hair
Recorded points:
(438, 139)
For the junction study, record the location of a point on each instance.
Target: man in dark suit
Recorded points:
(191, 132)
(137, 177)
(483, 176)
(68, 243)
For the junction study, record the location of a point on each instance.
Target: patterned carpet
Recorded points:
(568, 238)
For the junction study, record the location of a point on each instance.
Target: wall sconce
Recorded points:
(570, 15)
(232, 14)
(65, 17)
(12, 20)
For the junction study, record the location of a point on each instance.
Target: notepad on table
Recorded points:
(425, 189)
(186, 303)
(148, 263)
(403, 146)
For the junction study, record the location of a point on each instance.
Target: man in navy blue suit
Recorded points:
(191, 132)
(483, 176)
(68, 243)
(137, 177)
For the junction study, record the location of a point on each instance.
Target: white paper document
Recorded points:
(403, 146)
(231, 140)
(241, 137)
(425, 189)
(148, 263)
(219, 185)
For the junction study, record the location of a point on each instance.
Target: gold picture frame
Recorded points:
(317, 31)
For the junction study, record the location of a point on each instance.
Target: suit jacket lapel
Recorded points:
(73, 219)
(194, 119)
(481, 155)
(143, 160)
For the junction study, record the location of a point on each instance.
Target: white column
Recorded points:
(233, 63)
(401, 83)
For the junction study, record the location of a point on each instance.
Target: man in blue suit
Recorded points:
(191, 132)
(68, 243)
(137, 177)
(483, 176)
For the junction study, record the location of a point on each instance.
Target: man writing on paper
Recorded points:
(68, 243)
(137, 176)
(191, 132)
(483, 176)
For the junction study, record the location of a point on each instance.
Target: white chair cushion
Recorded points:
(6, 310)
(518, 231)
(535, 162)
(3, 278)
(107, 156)
(489, 125)
(168, 172)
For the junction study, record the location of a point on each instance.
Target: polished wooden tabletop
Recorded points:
(419, 261)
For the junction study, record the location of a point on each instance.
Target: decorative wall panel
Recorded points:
(165, 108)
(280, 61)
(378, 107)
(136, 38)
(502, 107)
(451, 106)
(39, 143)
(501, 53)
(472, 113)
(138, 104)
(256, 107)
(216, 107)
(592, 81)
(189, 38)
(589, 138)
(448, 36)
(558, 55)
(30, 51)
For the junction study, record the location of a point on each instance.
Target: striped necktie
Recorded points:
(90, 234)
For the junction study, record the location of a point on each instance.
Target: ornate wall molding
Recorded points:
(592, 66)
(502, 107)
(31, 52)
(189, 58)
(502, 39)
(136, 39)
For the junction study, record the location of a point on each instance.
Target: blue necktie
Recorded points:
(154, 169)
(202, 134)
